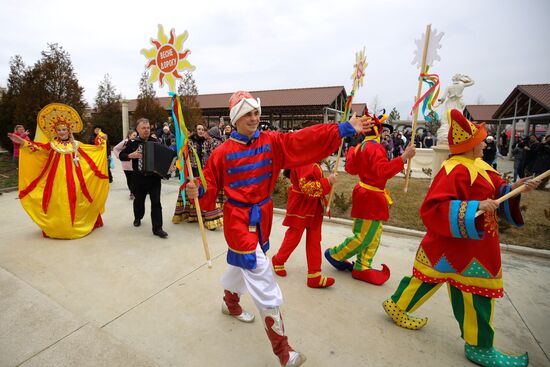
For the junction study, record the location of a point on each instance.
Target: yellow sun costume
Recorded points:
(63, 185)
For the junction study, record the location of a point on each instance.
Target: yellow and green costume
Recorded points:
(461, 249)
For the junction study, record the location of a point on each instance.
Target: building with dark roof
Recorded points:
(528, 105)
(481, 113)
(283, 108)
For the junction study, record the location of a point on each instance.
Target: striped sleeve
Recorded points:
(462, 215)
(509, 210)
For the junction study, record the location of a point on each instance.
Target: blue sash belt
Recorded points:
(255, 216)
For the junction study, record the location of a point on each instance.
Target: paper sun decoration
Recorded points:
(359, 71)
(167, 59)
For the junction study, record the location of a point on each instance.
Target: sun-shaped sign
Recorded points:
(167, 59)
(359, 69)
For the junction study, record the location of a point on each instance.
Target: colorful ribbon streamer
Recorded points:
(347, 108)
(182, 146)
(429, 98)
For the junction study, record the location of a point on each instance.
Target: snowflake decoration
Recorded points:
(433, 46)
(166, 59)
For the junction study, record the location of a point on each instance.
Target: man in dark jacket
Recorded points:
(542, 160)
(490, 151)
(166, 136)
(144, 183)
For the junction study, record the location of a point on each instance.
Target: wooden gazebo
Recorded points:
(528, 102)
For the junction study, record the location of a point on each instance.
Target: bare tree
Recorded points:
(191, 109)
(147, 105)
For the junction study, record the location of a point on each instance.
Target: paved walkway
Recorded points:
(123, 297)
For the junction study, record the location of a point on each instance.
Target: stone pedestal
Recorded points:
(422, 162)
(441, 153)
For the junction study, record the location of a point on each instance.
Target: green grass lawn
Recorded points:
(8, 172)
(405, 211)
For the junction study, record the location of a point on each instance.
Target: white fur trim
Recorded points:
(244, 106)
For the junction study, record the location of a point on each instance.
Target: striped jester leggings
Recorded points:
(474, 313)
(364, 243)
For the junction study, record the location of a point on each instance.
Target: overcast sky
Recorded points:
(258, 44)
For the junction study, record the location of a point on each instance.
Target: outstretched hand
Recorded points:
(529, 183)
(361, 124)
(16, 138)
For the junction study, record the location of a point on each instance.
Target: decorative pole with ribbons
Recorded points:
(166, 60)
(425, 55)
(357, 76)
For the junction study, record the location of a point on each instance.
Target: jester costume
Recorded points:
(63, 184)
(304, 210)
(247, 168)
(370, 207)
(460, 249)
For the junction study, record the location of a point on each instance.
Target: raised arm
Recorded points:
(314, 143)
(27, 144)
(16, 138)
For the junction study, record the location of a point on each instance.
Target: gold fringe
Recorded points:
(213, 223)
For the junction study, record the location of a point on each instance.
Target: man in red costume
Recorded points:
(370, 204)
(246, 166)
(305, 210)
(461, 249)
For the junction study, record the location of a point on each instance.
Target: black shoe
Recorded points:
(160, 233)
(137, 222)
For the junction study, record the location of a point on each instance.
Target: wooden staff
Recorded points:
(516, 191)
(415, 112)
(199, 215)
(331, 194)
(337, 163)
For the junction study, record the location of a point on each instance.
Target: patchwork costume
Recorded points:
(63, 184)
(304, 211)
(460, 249)
(247, 169)
(370, 207)
(186, 211)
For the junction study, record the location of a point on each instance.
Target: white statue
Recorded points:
(452, 98)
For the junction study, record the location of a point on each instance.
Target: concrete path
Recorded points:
(123, 297)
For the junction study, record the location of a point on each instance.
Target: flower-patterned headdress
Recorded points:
(56, 114)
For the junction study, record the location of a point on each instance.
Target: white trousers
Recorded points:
(259, 283)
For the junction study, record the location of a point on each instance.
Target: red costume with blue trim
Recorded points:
(247, 170)
(459, 248)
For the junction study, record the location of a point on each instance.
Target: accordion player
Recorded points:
(158, 159)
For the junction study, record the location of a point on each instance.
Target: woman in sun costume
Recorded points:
(63, 184)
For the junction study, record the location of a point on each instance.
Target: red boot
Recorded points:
(372, 276)
(274, 328)
(231, 306)
(278, 267)
(318, 280)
